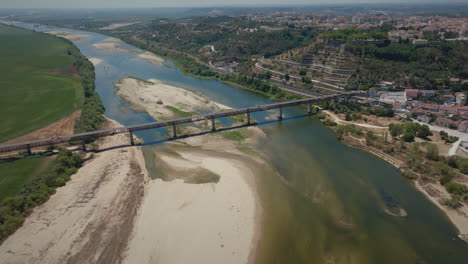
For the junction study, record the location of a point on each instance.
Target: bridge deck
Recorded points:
(158, 124)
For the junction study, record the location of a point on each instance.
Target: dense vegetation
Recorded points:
(92, 109)
(409, 130)
(14, 209)
(431, 166)
(231, 37)
(350, 34)
(425, 66)
(39, 82)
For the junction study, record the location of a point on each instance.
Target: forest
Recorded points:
(231, 37)
(426, 66)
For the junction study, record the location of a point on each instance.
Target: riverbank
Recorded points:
(90, 218)
(203, 188)
(433, 190)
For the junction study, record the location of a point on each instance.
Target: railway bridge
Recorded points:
(172, 123)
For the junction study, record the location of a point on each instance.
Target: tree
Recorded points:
(432, 152)
(302, 72)
(424, 131)
(286, 77)
(407, 137)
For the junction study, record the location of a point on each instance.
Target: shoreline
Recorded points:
(458, 217)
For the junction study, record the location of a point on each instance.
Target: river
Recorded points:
(327, 203)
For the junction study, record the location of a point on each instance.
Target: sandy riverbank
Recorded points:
(118, 25)
(213, 218)
(95, 61)
(151, 57)
(67, 35)
(157, 98)
(437, 193)
(89, 220)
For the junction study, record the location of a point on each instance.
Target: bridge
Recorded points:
(171, 123)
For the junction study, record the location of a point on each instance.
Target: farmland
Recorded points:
(39, 83)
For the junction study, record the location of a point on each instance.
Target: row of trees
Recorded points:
(92, 110)
(14, 209)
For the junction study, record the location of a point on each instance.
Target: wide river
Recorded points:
(328, 204)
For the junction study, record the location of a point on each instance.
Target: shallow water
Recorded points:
(326, 203)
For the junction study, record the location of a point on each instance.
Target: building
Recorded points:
(446, 122)
(411, 94)
(460, 99)
(463, 127)
(427, 93)
(449, 98)
(424, 118)
(392, 97)
(386, 85)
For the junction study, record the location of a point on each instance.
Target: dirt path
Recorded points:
(90, 219)
(338, 120)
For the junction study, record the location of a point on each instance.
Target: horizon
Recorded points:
(121, 4)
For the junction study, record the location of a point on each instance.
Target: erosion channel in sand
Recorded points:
(204, 187)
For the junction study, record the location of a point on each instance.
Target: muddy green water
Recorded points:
(324, 203)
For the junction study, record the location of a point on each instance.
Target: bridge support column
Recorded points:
(131, 139)
(213, 124)
(309, 108)
(83, 145)
(174, 131)
(280, 116)
(248, 117)
(28, 149)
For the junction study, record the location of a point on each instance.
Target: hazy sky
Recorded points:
(181, 3)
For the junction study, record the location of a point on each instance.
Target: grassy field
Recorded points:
(38, 84)
(19, 172)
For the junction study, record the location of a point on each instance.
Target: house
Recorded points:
(454, 79)
(446, 122)
(392, 97)
(432, 108)
(449, 98)
(411, 93)
(386, 85)
(460, 98)
(463, 109)
(463, 127)
(427, 93)
(373, 93)
(448, 110)
(424, 118)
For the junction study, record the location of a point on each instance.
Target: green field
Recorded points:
(31, 95)
(15, 174)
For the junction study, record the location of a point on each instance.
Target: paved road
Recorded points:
(451, 132)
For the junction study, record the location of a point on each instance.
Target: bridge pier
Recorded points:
(280, 116)
(213, 124)
(83, 145)
(174, 131)
(248, 117)
(28, 149)
(309, 108)
(131, 139)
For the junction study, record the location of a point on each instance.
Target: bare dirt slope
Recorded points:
(62, 127)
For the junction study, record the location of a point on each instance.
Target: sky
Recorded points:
(183, 3)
